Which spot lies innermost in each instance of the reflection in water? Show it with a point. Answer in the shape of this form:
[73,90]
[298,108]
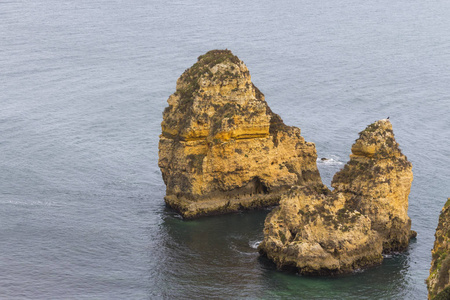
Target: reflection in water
[213,255]
[216,256]
[388,280]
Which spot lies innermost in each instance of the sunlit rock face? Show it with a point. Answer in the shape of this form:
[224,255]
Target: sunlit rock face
[376,182]
[438,282]
[222,149]
[319,231]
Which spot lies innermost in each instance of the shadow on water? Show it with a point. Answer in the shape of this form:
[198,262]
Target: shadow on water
[217,256]
[211,256]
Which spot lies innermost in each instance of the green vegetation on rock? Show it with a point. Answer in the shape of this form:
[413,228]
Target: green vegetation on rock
[438,282]
[444,295]
[203,67]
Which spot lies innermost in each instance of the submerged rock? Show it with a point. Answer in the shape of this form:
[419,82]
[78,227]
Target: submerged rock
[438,282]
[222,148]
[319,231]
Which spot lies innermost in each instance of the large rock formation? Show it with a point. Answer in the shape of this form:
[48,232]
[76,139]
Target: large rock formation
[438,282]
[376,182]
[319,231]
[222,148]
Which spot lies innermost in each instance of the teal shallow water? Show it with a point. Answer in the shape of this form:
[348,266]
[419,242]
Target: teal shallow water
[226,263]
[83,88]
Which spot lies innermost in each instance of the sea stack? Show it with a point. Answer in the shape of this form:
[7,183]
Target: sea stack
[323,232]
[438,282]
[376,182]
[222,148]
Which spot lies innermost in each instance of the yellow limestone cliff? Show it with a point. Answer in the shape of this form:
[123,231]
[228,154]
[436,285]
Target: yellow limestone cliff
[438,282]
[222,149]
[319,231]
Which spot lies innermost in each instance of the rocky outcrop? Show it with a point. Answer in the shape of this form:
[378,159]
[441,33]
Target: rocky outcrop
[315,233]
[222,149]
[438,282]
[376,182]
[320,232]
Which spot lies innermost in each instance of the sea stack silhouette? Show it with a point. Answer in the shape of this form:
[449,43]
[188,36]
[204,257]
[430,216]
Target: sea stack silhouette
[323,232]
[222,148]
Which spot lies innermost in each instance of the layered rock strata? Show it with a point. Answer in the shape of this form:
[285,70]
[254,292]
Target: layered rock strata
[376,182]
[222,148]
[438,282]
[319,231]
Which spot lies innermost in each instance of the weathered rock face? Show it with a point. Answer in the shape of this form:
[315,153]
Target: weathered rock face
[322,232]
[438,282]
[316,234]
[222,148]
[376,182]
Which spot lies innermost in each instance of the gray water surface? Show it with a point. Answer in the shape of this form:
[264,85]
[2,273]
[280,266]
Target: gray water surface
[82,88]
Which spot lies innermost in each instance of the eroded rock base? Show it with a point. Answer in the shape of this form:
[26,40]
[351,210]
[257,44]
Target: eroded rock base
[320,232]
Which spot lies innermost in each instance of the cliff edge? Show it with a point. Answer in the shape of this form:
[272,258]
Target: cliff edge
[222,148]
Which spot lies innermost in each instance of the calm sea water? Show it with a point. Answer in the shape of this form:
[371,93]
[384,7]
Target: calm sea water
[82,88]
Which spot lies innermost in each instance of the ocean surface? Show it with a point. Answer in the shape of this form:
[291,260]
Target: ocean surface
[82,88]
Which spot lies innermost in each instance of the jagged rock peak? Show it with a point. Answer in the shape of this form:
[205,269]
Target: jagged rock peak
[377,181]
[438,282]
[377,141]
[222,148]
[321,232]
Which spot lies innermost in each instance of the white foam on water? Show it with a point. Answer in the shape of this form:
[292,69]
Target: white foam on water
[254,244]
[331,161]
[358,271]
